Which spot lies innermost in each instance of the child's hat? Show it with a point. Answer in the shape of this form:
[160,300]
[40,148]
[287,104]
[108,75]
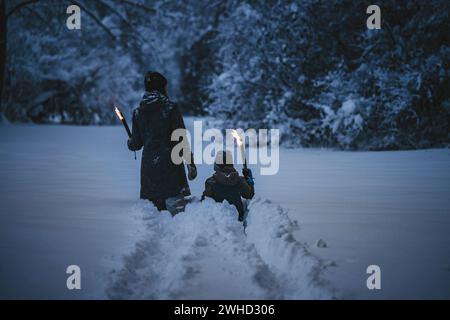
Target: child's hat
[224,158]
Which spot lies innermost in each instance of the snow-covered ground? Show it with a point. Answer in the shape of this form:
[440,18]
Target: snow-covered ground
[390,209]
[203,253]
[69,196]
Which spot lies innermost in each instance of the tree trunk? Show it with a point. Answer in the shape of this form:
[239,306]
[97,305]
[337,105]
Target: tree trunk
[3,35]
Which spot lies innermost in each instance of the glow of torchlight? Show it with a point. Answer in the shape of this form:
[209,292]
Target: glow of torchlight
[240,143]
[238,138]
[119,114]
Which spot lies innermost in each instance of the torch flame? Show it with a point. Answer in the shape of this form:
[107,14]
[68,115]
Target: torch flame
[238,138]
[240,143]
[119,114]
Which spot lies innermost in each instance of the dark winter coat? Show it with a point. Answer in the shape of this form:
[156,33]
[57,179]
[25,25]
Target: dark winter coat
[226,184]
[153,123]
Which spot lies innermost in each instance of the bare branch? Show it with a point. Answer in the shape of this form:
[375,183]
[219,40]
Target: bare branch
[39,16]
[137,35]
[95,18]
[20,5]
[139,6]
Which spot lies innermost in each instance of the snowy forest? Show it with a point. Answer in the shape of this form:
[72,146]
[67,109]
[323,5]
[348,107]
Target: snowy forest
[82,193]
[310,68]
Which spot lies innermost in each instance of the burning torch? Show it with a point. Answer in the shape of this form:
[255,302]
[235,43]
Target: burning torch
[241,145]
[124,121]
[125,124]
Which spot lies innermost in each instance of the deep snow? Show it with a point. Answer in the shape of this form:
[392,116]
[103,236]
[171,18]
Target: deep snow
[386,208]
[69,196]
[203,253]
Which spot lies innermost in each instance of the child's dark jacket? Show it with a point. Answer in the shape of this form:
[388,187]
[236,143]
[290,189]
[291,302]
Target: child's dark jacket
[226,184]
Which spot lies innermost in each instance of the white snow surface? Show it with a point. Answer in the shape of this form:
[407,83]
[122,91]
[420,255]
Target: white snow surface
[69,195]
[203,253]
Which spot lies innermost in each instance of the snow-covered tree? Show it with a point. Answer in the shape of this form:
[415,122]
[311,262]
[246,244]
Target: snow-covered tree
[315,71]
[310,68]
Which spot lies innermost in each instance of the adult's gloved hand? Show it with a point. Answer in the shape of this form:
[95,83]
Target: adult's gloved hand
[192,171]
[129,143]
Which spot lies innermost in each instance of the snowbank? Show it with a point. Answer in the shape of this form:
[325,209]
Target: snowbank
[67,192]
[203,253]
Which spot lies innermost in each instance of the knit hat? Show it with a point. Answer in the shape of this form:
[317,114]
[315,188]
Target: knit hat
[155,81]
[223,158]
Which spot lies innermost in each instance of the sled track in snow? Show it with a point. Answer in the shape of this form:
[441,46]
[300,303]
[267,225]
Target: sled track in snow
[204,254]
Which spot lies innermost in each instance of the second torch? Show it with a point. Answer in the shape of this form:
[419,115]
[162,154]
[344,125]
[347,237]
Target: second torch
[124,121]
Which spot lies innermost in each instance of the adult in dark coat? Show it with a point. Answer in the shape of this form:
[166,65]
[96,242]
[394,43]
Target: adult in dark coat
[153,123]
